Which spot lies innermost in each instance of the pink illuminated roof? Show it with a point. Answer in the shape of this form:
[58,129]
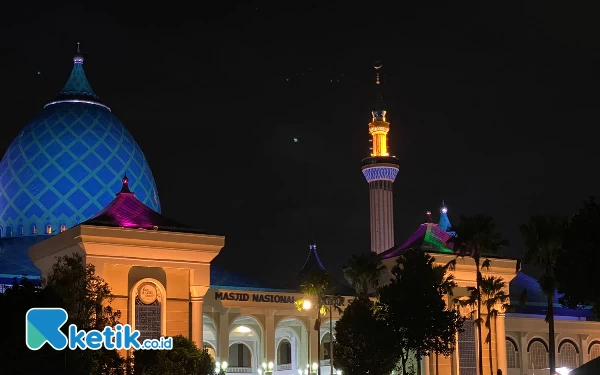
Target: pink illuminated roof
[429,237]
[126,211]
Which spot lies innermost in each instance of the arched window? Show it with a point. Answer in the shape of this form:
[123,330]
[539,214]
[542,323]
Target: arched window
[512,354]
[63,228]
[21,230]
[9,231]
[326,346]
[48,229]
[568,354]
[34,229]
[538,354]
[0,231]
[594,350]
[148,299]
[284,353]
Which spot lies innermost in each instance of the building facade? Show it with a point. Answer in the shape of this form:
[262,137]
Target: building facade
[75,181]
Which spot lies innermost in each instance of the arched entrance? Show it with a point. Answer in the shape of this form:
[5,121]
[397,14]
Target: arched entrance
[209,336]
[291,345]
[326,340]
[245,345]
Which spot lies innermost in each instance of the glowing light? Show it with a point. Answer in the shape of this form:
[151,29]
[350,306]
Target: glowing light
[315,366]
[299,371]
[242,329]
[77,101]
[376,173]
[271,365]
[259,371]
[444,210]
[224,365]
[306,305]
[563,370]
[264,365]
[339,372]
[295,140]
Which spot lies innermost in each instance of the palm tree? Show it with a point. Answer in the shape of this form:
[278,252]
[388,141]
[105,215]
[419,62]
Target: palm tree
[316,286]
[543,237]
[477,236]
[364,271]
[494,297]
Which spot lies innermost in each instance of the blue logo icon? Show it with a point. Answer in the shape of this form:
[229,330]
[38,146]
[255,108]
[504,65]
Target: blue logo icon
[42,325]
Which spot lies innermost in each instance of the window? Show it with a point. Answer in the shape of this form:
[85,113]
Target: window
[21,230]
[284,353]
[34,229]
[63,228]
[148,311]
[0,231]
[467,354]
[48,229]
[594,350]
[567,355]
[326,346]
[9,231]
[512,354]
[538,355]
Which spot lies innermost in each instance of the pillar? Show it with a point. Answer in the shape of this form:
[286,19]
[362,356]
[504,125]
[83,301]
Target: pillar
[270,336]
[197,321]
[501,342]
[583,349]
[426,364]
[524,355]
[314,347]
[223,340]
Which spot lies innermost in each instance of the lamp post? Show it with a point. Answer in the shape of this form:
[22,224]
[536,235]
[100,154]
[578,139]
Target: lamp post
[221,368]
[306,306]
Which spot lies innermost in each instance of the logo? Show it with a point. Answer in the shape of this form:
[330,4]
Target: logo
[43,325]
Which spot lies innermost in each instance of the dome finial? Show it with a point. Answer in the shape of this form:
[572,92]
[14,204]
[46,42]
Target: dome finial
[125,188]
[428,213]
[78,58]
[443,209]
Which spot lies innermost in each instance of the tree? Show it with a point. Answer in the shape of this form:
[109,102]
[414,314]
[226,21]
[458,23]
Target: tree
[183,359]
[475,237]
[363,341]
[73,286]
[581,252]
[364,271]
[543,237]
[494,297]
[414,308]
[315,286]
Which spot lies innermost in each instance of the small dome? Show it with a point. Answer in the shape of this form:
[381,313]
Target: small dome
[67,164]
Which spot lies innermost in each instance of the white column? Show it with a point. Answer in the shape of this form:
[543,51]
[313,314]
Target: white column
[223,340]
[524,356]
[197,321]
[501,343]
[313,342]
[270,336]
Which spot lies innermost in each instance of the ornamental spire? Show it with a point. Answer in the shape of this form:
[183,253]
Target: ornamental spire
[77,86]
[379,108]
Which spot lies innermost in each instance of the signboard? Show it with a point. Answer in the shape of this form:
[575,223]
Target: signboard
[272,298]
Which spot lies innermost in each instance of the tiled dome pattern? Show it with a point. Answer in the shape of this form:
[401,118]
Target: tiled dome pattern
[66,166]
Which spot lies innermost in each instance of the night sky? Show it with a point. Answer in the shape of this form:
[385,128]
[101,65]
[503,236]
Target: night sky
[493,109]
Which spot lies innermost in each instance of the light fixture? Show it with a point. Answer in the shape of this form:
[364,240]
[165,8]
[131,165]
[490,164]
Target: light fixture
[224,365]
[306,305]
[339,372]
[315,366]
[259,371]
[243,329]
[305,372]
[264,366]
[271,365]
[299,371]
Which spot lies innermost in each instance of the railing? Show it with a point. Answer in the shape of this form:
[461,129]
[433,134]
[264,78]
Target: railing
[284,367]
[239,370]
[325,362]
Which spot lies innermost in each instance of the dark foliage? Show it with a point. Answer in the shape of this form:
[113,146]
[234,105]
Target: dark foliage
[363,341]
[184,359]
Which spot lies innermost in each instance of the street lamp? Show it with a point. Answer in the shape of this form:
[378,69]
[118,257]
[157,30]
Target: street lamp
[221,367]
[307,305]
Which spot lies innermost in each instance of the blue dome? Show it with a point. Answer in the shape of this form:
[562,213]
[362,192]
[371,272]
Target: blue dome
[67,164]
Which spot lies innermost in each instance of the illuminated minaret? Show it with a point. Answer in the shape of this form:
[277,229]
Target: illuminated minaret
[380,170]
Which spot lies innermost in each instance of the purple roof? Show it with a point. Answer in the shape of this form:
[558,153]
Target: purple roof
[429,237]
[126,211]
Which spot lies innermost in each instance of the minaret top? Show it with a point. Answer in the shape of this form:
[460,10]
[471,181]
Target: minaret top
[428,213]
[379,108]
[78,58]
[444,223]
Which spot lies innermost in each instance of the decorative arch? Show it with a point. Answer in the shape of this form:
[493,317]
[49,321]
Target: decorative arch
[0,230]
[9,232]
[233,322]
[48,229]
[63,227]
[21,230]
[595,342]
[161,298]
[33,229]
[278,353]
[291,317]
[514,343]
[564,341]
[253,356]
[537,339]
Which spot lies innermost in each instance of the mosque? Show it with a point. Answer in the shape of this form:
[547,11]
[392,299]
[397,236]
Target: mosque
[75,180]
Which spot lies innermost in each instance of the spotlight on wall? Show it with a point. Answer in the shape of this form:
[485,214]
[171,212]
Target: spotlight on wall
[242,329]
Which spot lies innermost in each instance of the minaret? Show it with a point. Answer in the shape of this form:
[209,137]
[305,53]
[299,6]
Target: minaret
[444,223]
[380,170]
